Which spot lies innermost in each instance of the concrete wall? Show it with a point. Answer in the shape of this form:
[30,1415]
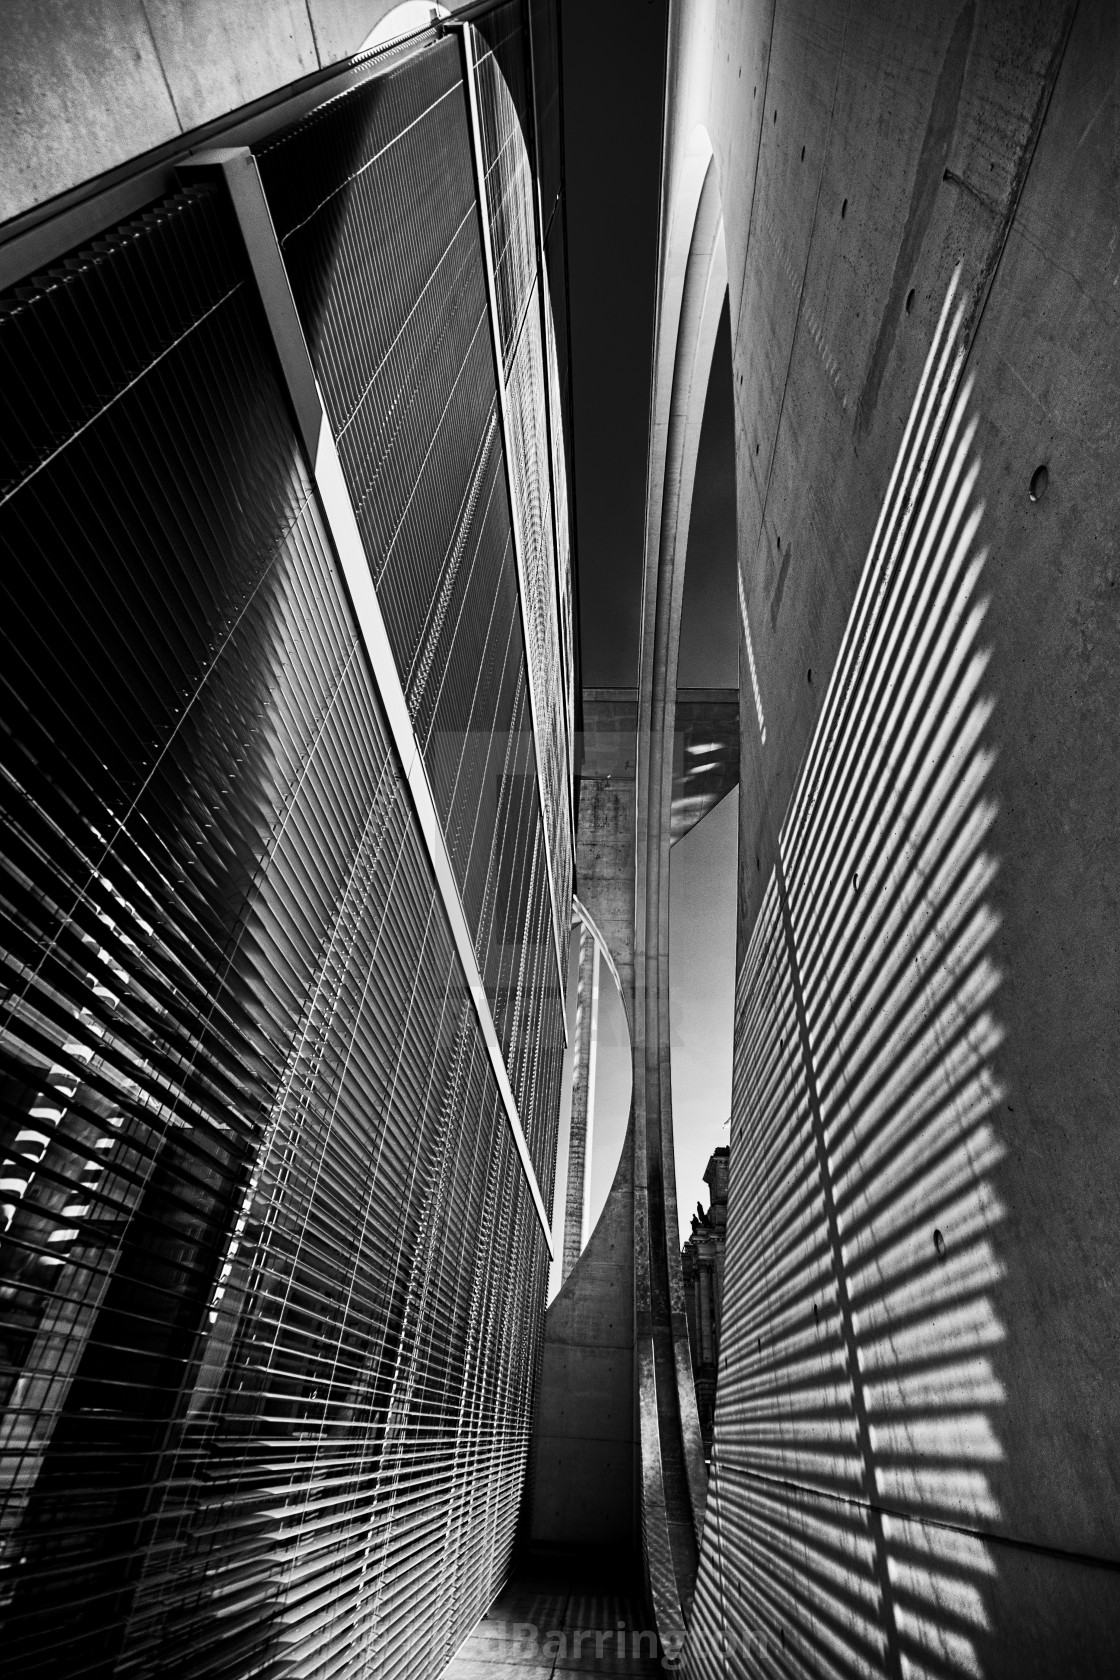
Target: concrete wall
[921,1468]
[582,1490]
[86,85]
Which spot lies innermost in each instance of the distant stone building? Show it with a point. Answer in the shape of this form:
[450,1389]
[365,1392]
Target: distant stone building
[702,1263]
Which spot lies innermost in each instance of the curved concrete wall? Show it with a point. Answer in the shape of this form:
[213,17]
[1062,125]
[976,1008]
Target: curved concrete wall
[869,160]
[583,1458]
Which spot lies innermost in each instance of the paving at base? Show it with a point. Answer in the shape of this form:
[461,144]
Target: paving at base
[563,1613]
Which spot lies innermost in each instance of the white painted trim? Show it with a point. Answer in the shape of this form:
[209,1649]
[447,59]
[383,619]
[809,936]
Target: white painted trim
[580,913]
[592,1060]
[238,168]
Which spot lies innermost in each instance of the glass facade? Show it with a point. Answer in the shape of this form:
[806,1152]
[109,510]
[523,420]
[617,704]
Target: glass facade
[272,1276]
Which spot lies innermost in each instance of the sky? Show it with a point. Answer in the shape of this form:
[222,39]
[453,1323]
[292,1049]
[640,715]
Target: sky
[613,66]
[614,57]
[702,874]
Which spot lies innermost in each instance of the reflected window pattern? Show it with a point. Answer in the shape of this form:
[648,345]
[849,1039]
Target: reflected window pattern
[858,1408]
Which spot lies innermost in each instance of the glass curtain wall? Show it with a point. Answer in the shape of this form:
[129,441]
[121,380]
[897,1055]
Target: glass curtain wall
[272,1278]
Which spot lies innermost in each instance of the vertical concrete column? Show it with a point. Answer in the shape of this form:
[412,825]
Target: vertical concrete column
[583,1099]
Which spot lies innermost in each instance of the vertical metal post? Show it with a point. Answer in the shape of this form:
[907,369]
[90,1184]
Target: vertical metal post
[470,78]
[592,1059]
[579,1153]
[237,168]
[553,422]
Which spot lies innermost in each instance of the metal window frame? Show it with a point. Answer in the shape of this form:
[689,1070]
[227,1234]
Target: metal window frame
[236,167]
[463,29]
[554,422]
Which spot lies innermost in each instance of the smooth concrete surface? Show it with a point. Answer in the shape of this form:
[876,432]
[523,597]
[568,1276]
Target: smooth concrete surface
[81,89]
[583,1456]
[86,85]
[215,57]
[866,155]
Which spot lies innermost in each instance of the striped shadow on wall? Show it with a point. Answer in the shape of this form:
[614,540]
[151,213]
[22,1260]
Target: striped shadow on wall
[858,1405]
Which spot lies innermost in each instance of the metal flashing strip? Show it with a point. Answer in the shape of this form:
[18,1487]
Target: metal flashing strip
[39,236]
[592,1061]
[580,913]
[553,422]
[469,77]
[238,169]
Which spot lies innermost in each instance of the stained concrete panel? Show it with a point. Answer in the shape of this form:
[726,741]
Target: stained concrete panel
[341,26]
[86,87]
[601,1376]
[943,137]
[81,90]
[1043,380]
[215,56]
[582,1478]
[826,349]
[1047,388]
